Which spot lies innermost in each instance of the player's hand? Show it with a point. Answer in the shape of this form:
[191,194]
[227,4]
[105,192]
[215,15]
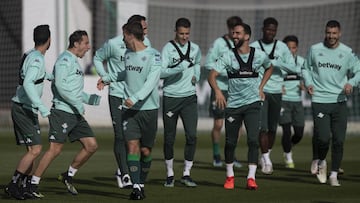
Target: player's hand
[348,89]
[310,90]
[262,95]
[220,100]
[128,103]
[100,84]
[193,80]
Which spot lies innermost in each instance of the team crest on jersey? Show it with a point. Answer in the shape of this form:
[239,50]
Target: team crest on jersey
[64,126]
[143,58]
[341,56]
[125,125]
[127,57]
[133,168]
[157,57]
[37,60]
[320,54]
[169,114]
[52,137]
[28,141]
[65,59]
[230,119]
[79,72]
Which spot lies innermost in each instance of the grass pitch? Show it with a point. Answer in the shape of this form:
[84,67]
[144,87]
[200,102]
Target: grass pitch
[95,181]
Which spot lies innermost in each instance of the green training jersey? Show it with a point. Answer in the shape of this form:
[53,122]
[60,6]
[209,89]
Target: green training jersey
[142,78]
[31,76]
[113,52]
[219,46]
[282,62]
[292,82]
[327,69]
[178,74]
[68,84]
[243,90]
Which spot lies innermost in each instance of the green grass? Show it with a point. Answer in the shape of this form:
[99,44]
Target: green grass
[96,183]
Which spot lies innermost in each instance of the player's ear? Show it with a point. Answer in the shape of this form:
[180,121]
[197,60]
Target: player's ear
[247,37]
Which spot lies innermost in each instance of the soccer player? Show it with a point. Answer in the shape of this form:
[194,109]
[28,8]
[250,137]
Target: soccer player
[219,46]
[24,111]
[282,61]
[292,110]
[141,104]
[326,74]
[242,65]
[66,119]
[112,52]
[180,71]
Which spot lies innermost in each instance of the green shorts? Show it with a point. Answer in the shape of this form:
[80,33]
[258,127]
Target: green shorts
[214,111]
[292,112]
[64,124]
[26,125]
[270,112]
[140,125]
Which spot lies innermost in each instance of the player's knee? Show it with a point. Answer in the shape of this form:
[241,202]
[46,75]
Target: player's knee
[91,147]
[218,125]
[35,151]
[145,151]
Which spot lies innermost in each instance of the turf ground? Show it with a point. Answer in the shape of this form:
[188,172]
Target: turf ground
[96,183]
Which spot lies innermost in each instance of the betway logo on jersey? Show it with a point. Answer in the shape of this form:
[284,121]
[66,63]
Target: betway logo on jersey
[134,68]
[329,65]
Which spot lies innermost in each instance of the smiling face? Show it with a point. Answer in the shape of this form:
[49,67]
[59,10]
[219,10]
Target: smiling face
[332,36]
[239,36]
[269,33]
[182,35]
[82,47]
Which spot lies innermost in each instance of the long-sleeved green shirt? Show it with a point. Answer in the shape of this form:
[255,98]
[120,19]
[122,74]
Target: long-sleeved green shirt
[142,78]
[68,84]
[292,82]
[178,80]
[113,52]
[326,69]
[242,91]
[29,93]
[215,51]
[283,62]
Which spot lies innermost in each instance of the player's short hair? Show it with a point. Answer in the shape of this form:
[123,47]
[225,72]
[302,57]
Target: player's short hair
[247,29]
[135,28]
[136,18]
[182,22]
[41,34]
[291,38]
[270,21]
[232,21]
[333,23]
[76,37]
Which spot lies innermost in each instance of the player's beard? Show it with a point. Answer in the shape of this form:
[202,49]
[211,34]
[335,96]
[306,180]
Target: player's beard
[239,44]
[330,43]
